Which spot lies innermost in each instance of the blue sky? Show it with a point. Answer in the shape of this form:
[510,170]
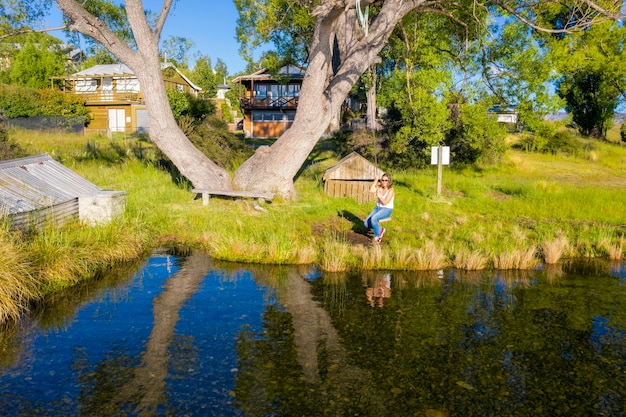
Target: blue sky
[210,24]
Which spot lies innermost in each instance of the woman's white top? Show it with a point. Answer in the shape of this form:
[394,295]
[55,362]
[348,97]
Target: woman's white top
[389,205]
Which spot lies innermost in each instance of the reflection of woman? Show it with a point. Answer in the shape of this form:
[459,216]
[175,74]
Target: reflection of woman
[380,291]
[384,205]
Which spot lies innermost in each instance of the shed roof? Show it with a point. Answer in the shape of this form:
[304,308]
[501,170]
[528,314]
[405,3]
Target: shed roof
[37,182]
[353,167]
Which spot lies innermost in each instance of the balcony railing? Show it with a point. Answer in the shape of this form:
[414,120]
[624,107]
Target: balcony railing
[247,102]
[110,96]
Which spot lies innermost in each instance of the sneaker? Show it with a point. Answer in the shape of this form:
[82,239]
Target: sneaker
[382,232]
[377,239]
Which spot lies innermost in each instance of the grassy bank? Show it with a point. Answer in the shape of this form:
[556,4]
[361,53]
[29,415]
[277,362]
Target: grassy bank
[532,208]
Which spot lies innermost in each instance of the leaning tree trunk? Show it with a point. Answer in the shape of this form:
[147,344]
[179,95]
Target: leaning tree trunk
[339,55]
[145,63]
[372,121]
[170,139]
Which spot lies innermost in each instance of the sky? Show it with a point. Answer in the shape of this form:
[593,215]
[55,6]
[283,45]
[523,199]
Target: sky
[209,24]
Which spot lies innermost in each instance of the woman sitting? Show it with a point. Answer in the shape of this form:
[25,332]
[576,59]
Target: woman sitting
[384,205]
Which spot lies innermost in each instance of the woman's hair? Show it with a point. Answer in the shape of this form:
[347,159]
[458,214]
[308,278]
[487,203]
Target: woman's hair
[390,183]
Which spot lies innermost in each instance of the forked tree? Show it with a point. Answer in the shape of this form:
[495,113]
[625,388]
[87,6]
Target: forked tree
[339,53]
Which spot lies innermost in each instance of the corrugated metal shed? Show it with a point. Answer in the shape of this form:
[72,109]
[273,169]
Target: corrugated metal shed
[38,188]
[352,177]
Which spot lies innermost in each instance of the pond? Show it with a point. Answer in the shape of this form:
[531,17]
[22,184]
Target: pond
[181,335]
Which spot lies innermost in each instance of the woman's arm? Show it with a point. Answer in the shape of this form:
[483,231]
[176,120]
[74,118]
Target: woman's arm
[374,186]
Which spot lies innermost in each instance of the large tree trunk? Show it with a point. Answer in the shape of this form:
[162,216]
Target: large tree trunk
[372,121]
[167,135]
[145,63]
[338,58]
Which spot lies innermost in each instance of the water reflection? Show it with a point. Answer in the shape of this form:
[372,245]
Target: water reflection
[379,288]
[186,336]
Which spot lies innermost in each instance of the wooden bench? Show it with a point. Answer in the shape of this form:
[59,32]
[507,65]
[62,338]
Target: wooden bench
[206,193]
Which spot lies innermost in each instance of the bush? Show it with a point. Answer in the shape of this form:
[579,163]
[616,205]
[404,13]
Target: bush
[184,104]
[226,113]
[563,142]
[622,132]
[16,102]
[214,139]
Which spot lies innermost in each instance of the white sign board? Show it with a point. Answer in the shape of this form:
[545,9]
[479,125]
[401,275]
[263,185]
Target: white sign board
[445,155]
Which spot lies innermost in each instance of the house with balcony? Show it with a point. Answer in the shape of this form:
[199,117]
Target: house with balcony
[269,103]
[114,96]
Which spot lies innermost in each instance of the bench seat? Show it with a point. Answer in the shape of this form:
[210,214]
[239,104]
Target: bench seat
[206,193]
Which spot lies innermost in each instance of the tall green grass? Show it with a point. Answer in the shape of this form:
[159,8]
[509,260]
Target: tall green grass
[511,217]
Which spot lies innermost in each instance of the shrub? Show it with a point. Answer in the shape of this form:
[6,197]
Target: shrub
[214,139]
[622,132]
[184,104]
[18,102]
[226,113]
[562,142]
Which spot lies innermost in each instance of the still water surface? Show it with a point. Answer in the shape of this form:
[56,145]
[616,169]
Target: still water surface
[182,336]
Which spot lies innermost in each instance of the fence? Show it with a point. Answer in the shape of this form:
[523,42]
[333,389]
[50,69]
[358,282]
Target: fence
[74,124]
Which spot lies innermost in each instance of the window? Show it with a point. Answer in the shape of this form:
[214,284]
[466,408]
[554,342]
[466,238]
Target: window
[260,91]
[293,90]
[273,116]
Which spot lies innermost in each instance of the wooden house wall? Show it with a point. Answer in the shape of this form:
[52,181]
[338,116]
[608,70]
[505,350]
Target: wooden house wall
[269,129]
[172,80]
[100,117]
[356,189]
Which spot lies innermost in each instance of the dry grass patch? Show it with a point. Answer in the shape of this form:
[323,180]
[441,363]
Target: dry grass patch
[515,259]
[429,257]
[470,260]
[554,249]
[335,254]
[616,251]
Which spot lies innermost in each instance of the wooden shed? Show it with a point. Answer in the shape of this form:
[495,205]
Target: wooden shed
[352,177]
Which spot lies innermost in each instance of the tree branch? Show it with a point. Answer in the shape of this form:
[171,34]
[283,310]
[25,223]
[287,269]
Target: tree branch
[601,16]
[84,22]
[23,31]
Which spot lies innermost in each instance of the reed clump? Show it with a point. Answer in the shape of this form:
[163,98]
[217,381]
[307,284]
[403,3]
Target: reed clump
[616,250]
[335,253]
[516,259]
[18,286]
[470,260]
[554,249]
[430,257]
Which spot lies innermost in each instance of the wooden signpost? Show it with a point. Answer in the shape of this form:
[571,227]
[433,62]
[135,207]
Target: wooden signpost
[440,156]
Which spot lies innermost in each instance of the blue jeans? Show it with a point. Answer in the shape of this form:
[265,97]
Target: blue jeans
[375,216]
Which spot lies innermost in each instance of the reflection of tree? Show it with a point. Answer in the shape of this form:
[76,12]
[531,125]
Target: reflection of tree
[300,366]
[495,344]
[122,386]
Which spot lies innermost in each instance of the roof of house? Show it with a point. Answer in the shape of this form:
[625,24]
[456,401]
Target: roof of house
[37,182]
[353,167]
[106,69]
[293,71]
[123,70]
